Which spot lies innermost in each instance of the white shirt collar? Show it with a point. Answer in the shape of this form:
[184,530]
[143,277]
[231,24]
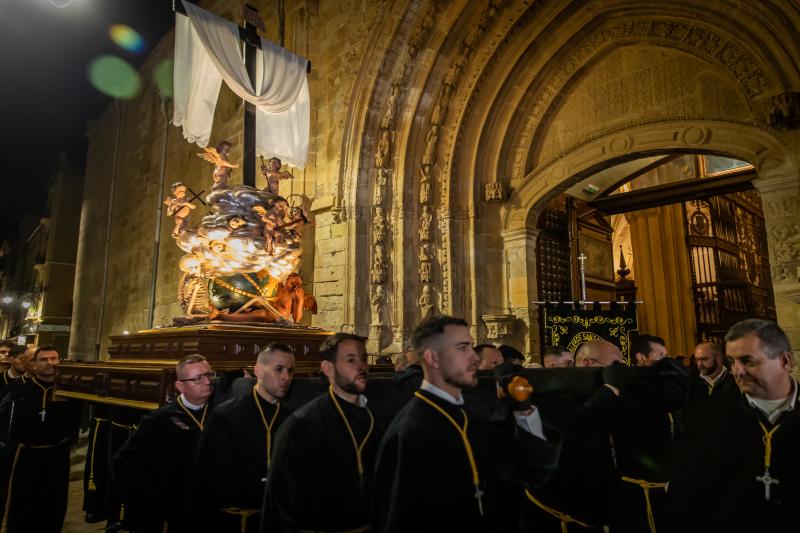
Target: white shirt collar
[713,382]
[190,405]
[773,409]
[436,391]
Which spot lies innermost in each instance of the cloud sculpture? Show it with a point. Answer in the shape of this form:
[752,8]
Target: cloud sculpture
[245,225]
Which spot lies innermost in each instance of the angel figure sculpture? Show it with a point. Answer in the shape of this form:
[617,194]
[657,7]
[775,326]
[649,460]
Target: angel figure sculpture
[274,219]
[222,167]
[273,173]
[178,206]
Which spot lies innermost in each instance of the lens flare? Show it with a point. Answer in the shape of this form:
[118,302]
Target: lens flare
[126,38]
[114,76]
[162,76]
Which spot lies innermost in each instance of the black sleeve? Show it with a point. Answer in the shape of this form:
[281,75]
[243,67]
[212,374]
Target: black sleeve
[291,472]
[129,467]
[208,469]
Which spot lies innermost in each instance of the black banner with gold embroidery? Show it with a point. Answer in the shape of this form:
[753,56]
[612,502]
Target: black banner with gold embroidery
[570,326]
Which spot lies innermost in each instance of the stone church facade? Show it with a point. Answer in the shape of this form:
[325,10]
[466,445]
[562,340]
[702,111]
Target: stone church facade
[439,130]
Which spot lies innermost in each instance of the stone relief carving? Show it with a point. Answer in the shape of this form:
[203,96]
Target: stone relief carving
[499,325]
[425,219]
[387,122]
[425,185]
[425,258]
[676,34]
[380,186]
[783,111]
[378,271]
[494,192]
[426,301]
[379,226]
[384,146]
[431,140]
[378,302]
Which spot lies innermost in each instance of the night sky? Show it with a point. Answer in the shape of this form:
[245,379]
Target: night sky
[47,97]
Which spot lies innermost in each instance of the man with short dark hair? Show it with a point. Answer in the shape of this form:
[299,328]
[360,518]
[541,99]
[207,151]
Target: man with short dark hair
[557,357]
[648,349]
[439,464]
[160,453]
[489,355]
[321,477]
[744,472]
[41,429]
[5,350]
[14,376]
[234,453]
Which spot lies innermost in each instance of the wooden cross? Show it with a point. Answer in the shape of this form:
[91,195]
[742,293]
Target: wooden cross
[252,41]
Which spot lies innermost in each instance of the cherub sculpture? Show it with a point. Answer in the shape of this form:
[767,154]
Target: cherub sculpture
[273,173]
[274,219]
[222,167]
[178,206]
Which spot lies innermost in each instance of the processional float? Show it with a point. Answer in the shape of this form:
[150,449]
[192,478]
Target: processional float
[239,286]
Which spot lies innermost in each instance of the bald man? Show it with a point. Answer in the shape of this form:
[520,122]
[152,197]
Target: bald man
[598,352]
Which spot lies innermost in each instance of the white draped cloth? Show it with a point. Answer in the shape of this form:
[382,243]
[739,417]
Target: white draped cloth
[208,51]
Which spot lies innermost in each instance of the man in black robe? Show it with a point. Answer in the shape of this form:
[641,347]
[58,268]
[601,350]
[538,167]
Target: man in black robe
[5,350]
[233,456]
[153,468]
[713,380]
[439,462]
[321,476]
[743,474]
[578,497]
[646,438]
[13,376]
[41,430]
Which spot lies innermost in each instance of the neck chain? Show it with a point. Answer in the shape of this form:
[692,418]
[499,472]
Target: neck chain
[188,412]
[467,446]
[269,425]
[358,447]
[45,390]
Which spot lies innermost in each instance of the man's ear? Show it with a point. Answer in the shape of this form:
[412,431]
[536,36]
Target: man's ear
[180,386]
[327,368]
[786,361]
[640,358]
[431,358]
[258,369]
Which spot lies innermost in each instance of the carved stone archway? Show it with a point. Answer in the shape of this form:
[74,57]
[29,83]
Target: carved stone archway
[773,155]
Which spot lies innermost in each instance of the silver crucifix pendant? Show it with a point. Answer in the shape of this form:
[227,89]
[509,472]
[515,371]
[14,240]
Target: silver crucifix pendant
[767,480]
[42,413]
[479,496]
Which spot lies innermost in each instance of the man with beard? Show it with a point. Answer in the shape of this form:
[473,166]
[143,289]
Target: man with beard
[41,429]
[233,456]
[439,464]
[154,466]
[714,379]
[743,472]
[323,459]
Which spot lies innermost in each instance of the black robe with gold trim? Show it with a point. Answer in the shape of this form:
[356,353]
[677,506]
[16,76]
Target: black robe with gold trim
[716,488]
[149,467]
[231,464]
[314,482]
[41,430]
[423,479]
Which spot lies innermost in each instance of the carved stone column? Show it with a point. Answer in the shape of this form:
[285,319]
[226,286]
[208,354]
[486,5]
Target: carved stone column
[519,274]
[780,196]
[663,278]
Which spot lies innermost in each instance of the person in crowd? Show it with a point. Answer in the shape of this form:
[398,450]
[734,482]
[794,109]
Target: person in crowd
[150,467]
[323,459]
[234,452]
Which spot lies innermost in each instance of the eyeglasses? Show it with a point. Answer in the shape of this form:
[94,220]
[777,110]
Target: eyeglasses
[198,380]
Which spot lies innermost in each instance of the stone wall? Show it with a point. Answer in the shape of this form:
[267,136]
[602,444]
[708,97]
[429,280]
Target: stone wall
[507,102]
